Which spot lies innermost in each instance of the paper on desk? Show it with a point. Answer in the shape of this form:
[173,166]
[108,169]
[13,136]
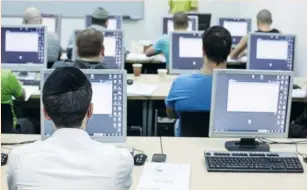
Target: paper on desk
[162,176]
[299,93]
[141,89]
[30,90]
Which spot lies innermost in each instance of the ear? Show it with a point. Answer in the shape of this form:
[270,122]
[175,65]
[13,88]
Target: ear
[102,51]
[46,115]
[107,22]
[204,53]
[90,111]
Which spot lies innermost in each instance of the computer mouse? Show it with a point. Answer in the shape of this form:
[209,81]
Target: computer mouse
[129,81]
[139,159]
[295,86]
[305,159]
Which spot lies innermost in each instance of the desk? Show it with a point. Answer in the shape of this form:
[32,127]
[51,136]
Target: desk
[191,151]
[150,145]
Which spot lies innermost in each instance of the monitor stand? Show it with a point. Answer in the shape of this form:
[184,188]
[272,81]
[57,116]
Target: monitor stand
[247,144]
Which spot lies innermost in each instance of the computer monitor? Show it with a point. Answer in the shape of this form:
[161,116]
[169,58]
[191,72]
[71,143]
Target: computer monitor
[115,22]
[51,21]
[271,52]
[238,27]
[250,104]
[113,48]
[204,20]
[186,54]
[108,123]
[28,77]
[24,46]
[168,24]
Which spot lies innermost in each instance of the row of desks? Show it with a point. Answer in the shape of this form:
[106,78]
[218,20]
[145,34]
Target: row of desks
[164,85]
[191,151]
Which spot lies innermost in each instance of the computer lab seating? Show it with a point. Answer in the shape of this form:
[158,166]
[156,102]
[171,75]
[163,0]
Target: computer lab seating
[195,124]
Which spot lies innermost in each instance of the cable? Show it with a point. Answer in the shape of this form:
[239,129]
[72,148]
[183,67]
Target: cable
[161,146]
[17,143]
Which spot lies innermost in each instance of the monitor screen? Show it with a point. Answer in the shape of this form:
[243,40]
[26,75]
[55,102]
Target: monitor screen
[247,103]
[183,58]
[108,122]
[113,49]
[168,24]
[23,46]
[204,20]
[261,56]
[51,21]
[238,27]
[114,22]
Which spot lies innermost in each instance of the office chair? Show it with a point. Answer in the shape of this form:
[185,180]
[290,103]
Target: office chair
[195,124]
[7,124]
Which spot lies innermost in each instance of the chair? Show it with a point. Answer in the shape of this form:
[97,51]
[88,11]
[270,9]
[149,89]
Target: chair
[195,124]
[7,124]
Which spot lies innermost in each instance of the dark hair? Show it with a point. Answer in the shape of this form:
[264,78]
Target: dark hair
[89,43]
[180,20]
[101,22]
[66,96]
[217,44]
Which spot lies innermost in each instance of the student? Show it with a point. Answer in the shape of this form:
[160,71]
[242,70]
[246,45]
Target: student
[192,92]
[10,87]
[69,159]
[264,22]
[183,5]
[33,16]
[180,20]
[99,22]
[89,49]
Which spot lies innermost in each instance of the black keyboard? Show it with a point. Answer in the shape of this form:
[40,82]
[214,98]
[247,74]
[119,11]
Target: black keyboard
[265,162]
[3,159]
[30,82]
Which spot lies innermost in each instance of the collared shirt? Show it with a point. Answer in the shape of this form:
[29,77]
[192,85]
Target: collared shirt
[69,160]
[190,92]
[72,37]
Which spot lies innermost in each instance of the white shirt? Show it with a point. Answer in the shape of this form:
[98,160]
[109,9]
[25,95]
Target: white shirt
[69,160]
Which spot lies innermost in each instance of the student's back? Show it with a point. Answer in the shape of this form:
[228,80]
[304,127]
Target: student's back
[80,64]
[180,20]
[191,92]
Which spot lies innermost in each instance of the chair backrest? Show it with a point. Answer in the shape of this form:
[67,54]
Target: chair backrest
[195,124]
[7,125]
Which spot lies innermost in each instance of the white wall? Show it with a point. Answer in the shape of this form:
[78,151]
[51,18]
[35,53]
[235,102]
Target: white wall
[289,16]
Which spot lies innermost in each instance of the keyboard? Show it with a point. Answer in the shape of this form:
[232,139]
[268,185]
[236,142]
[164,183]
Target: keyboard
[265,162]
[3,159]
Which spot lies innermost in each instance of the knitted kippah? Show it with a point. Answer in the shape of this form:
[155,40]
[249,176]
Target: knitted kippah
[63,80]
[100,13]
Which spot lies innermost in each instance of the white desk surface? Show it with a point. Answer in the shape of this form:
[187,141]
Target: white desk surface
[165,83]
[191,151]
[150,145]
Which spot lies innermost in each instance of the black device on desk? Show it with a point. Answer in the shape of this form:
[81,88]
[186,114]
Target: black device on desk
[250,104]
[140,159]
[159,157]
[4,158]
[295,86]
[253,162]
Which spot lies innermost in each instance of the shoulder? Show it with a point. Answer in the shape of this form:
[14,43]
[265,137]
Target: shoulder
[5,73]
[63,63]
[187,78]
[25,150]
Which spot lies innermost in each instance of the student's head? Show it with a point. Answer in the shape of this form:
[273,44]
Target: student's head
[264,18]
[90,45]
[67,96]
[32,16]
[180,20]
[216,47]
[100,17]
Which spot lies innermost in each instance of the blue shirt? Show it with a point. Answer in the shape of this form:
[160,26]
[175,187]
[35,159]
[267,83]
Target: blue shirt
[190,92]
[162,46]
